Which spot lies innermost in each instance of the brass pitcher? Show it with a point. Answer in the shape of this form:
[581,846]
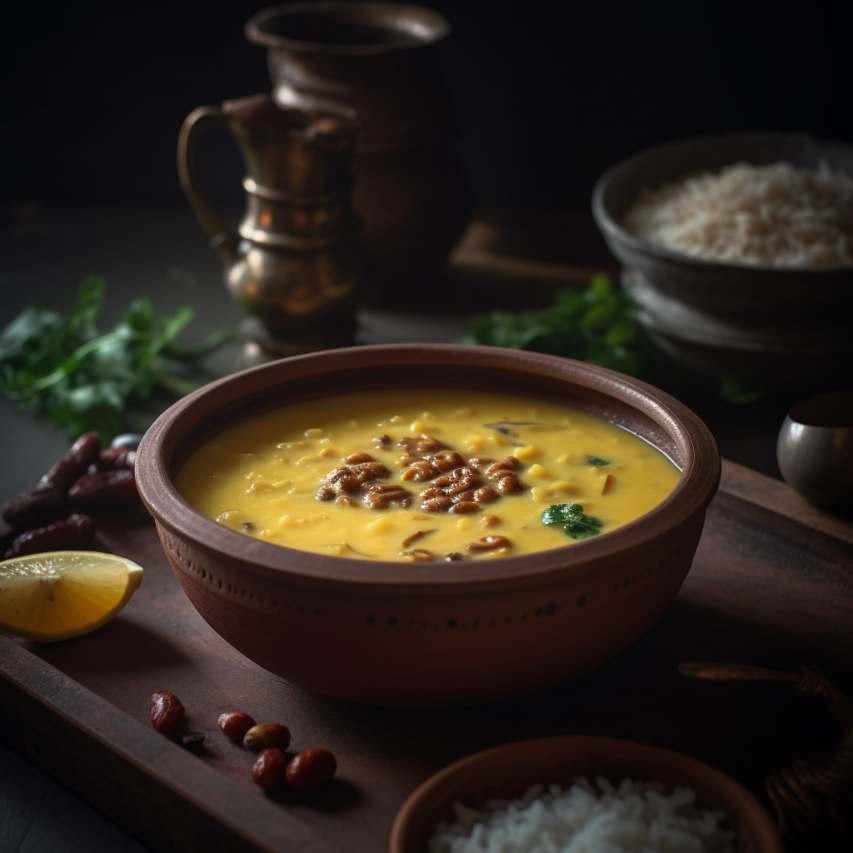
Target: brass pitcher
[296,261]
[381,59]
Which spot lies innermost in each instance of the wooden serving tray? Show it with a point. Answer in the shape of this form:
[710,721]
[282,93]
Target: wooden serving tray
[771,585]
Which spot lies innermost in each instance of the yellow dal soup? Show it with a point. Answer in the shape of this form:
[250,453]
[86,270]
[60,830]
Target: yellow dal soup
[425,475]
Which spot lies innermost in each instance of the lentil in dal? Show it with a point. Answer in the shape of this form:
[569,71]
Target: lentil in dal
[419,475]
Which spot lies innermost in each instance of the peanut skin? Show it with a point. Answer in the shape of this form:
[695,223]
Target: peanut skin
[167,712]
[235,724]
[75,533]
[266,736]
[311,768]
[104,489]
[269,770]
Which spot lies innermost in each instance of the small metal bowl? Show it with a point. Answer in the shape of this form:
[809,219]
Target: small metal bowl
[815,449]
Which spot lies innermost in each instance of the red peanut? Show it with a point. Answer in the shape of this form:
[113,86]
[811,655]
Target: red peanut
[166,712]
[311,768]
[235,724]
[77,532]
[269,769]
[269,735]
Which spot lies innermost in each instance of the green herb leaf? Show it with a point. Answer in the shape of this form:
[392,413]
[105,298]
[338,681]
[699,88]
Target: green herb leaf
[65,368]
[739,392]
[575,523]
[597,460]
[597,325]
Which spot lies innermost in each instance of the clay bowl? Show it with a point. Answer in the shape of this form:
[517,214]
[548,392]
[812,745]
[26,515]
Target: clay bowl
[506,772]
[769,325]
[428,634]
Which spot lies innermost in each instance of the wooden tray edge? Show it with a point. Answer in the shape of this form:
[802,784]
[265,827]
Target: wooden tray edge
[780,498]
[96,749]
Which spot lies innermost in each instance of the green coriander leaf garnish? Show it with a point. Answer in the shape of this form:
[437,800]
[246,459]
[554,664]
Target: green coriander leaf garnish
[575,523]
[598,461]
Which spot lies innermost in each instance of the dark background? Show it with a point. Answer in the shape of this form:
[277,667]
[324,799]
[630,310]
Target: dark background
[549,94]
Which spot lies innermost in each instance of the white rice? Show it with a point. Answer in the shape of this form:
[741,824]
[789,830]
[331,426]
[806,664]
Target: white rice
[636,817]
[770,216]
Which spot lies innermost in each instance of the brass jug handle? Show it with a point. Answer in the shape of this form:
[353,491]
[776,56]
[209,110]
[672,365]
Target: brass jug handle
[196,124]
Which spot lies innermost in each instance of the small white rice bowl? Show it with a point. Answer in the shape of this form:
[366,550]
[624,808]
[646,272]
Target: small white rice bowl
[638,817]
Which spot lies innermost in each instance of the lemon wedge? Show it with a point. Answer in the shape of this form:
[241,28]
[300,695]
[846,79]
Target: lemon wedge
[63,594]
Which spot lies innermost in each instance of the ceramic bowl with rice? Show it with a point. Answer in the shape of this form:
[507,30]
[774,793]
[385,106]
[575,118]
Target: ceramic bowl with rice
[739,249]
[582,794]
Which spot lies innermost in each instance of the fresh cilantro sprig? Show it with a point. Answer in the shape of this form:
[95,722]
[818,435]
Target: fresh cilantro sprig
[575,523]
[62,366]
[598,325]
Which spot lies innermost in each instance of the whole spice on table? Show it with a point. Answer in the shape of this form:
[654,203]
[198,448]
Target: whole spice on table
[193,742]
[269,769]
[166,712]
[311,768]
[235,724]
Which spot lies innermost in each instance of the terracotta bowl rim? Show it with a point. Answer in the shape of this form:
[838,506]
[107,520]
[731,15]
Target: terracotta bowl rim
[739,800]
[609,225]
[693,492]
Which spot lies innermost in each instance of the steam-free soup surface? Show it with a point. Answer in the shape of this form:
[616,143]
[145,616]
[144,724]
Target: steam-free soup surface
[422,475]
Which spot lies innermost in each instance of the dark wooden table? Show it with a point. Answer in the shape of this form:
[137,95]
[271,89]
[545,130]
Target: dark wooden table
[507,261]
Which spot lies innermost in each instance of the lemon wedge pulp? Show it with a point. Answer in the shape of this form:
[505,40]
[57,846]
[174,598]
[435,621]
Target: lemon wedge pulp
[63,594]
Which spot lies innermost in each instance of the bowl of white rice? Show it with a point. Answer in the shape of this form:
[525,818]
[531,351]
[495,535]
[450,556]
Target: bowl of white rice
[739,249]
[579,794]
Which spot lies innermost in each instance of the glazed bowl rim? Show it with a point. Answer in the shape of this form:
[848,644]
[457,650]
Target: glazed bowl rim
[695,488]
[606,749]
[611,228]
